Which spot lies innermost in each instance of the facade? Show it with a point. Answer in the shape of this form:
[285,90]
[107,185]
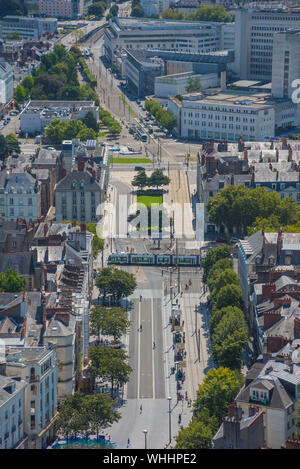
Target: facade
[273,387]
[16,236]
[12,413]
[141,72]
[28,28]
[6,82]
[186,6]
[225,116]
[172,85]
[77,197]
[285,63]
[240,430]
[56,8]
[254,36]
[160,34]
[155,7]
[38,114]
[37,366]
[19,196]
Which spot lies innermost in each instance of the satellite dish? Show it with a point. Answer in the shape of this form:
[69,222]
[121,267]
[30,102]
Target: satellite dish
[296,356]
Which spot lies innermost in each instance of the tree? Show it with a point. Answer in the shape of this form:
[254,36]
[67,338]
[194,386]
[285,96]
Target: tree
[226,277]
[90,121]
[86,134]
[100,412]
[28,83]
[230,295]
[96,9]
[218,314]
[55,131]
[12,7]
[219,388]
[229,339]
[115,128]
[118,283]
[112,321]
[69,93]
[158,178]
[13,36]
[48,85]
[137,12]
[11,282]
[215,13]
[21,94]
[12,144]
[212,256]
[109,363]
[140,179]
[195,436]
[98,245]
[167,120]
[193,85]
[216,270]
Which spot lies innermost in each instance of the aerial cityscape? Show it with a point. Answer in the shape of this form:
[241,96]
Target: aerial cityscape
[149,225]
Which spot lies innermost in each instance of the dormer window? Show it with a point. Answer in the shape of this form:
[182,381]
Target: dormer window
[82,185]
[271,260]
[258,260]
[258,395]
[73,185]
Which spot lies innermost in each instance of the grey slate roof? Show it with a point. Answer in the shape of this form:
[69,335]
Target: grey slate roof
[22,262]
[90,184]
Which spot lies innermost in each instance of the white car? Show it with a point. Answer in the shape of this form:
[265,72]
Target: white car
[51,148]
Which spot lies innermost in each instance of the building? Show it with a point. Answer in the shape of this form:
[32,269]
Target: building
[254,35]
[143,67]
[159,34]
[186,6]
[77,197]
[38,367]
[240,430]
[12,413]
[285,63]
[273,385]
[224,116]
[16,235]
[155,7]
[28,28]
[20,196]
[24,264]
[38,114]
[56,8]
[172,85]
[141,72]
[6,82]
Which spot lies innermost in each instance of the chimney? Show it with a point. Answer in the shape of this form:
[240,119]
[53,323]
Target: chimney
[279,241]
[245,154]
[253,410]
[231,409]
[264,239]
[83,227]
[45,229]
[277,174]
[277,155]
[46,258]
[290,155]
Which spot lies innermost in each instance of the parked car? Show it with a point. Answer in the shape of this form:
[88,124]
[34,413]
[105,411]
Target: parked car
[221,240]
[234,240]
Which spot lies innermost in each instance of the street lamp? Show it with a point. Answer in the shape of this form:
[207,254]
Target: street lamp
[170,437]
[145,433]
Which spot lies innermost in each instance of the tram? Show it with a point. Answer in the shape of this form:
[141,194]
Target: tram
[154,259]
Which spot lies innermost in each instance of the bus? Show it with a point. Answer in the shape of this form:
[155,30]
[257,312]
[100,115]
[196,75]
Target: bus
[155,260]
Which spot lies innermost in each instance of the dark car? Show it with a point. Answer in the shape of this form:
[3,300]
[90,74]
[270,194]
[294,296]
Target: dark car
[221,240]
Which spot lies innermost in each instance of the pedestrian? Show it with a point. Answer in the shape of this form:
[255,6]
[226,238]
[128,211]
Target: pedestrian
[128,442]
[141,408]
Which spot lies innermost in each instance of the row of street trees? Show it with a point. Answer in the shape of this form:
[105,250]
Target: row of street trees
[228,330]
[109,322]
[239,209]
[215,13]
[114,126]
[116,283]
[156,179]
[165,118]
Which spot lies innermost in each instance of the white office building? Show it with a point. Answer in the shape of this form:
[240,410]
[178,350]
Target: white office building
[224,116]
[172,85]
[28,28]
[286,63]
[154,7]
[6,82]
[12,405]
[254,34]
[160,34]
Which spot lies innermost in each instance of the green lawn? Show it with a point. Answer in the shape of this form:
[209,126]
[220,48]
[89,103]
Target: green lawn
[130,160]
[148,200]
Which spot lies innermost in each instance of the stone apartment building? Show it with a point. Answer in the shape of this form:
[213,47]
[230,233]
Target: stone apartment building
[12,413]
[38,367]
[16,236]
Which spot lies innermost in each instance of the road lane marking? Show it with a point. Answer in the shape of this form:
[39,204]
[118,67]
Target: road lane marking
[138,352]
[153,351]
